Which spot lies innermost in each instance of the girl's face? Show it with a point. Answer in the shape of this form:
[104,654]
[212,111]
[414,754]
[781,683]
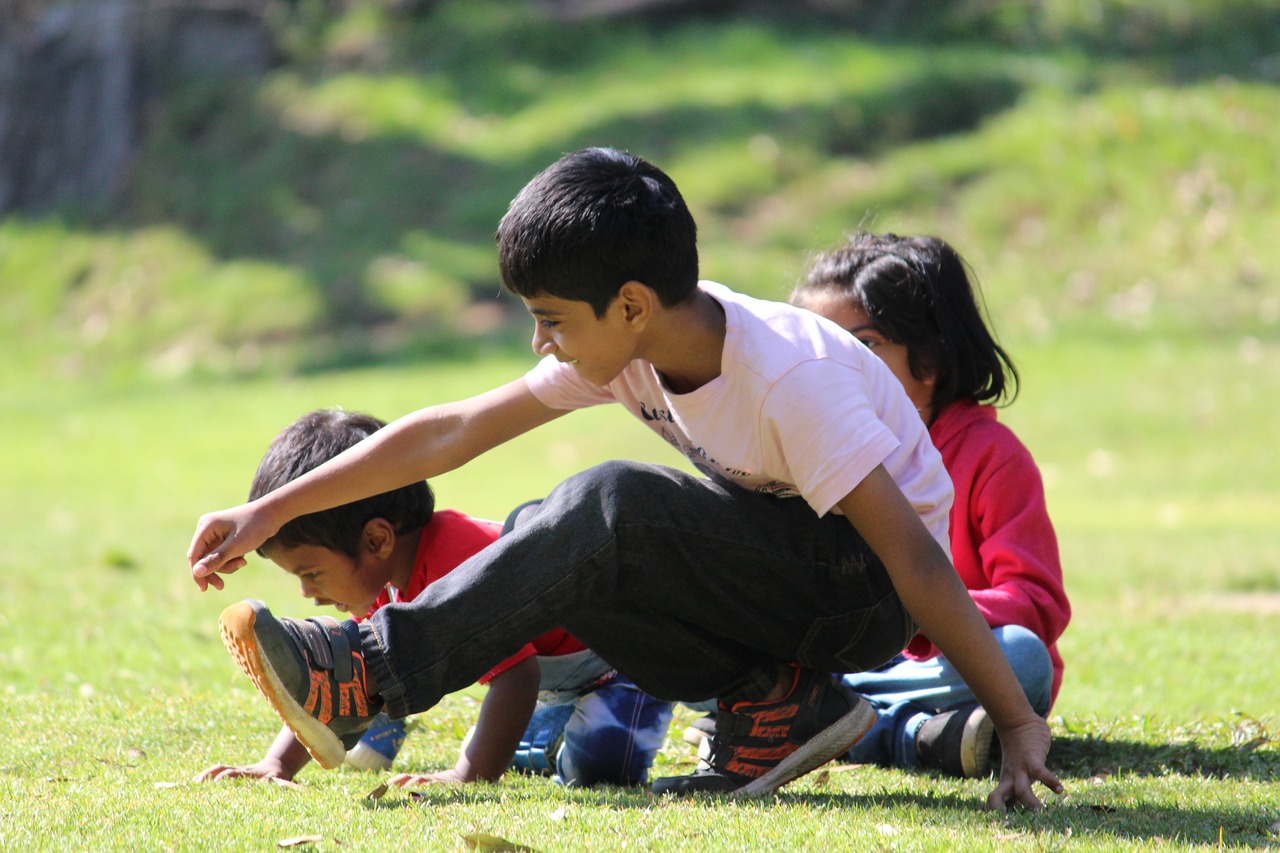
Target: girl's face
[855,321]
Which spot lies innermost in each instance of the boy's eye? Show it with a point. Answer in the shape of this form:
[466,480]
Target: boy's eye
[869,343]
[547,324]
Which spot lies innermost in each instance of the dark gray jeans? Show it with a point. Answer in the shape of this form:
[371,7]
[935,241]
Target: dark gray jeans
[689,587]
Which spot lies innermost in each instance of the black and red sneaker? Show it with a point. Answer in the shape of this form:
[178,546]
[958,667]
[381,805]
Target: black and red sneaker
[310,670]
[760,746]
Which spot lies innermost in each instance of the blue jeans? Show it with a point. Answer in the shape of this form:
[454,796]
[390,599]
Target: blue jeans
[905,693]
[611,734]
[688,587]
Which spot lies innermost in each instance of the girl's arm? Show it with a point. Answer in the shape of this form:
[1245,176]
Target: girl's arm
[935,597]
[418,446]
[504,716]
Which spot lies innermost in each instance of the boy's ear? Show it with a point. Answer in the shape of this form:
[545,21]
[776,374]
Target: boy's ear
[637,301]
[378,539]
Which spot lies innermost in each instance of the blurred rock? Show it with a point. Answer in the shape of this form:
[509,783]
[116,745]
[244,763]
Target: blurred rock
[75,76]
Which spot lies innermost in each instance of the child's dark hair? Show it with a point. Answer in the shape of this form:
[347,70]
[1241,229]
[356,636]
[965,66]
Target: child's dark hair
[312,440]
[594,220]
[917,293]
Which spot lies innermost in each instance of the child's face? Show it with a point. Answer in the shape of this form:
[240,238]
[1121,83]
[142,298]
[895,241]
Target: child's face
[597,347]
[331,578]
[855,321]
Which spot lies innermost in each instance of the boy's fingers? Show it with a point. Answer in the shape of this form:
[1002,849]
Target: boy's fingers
[205,575]
[1051,781]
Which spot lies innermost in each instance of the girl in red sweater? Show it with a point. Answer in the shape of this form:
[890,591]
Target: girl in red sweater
[909,299]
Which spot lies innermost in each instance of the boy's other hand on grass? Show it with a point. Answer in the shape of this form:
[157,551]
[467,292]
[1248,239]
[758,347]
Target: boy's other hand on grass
[220,542]
[1024,749]
[268,771]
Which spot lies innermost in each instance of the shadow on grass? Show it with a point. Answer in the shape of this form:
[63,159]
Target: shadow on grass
[1088,756]
[1086,816]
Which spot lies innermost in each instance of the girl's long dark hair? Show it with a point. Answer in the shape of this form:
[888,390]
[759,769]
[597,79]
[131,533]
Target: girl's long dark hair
[917,292]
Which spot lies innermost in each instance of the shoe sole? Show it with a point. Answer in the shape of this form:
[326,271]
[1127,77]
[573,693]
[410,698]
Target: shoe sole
[832,742]
[239,627]
[975,745]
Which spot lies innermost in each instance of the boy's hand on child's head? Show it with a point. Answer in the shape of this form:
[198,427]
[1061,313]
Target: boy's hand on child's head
[1024,750]
[220,542]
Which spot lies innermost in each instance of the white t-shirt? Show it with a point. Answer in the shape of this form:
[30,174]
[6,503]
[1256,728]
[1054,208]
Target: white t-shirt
[800,408]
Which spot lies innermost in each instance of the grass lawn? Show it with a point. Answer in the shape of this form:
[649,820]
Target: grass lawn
[118,691]
[1106,167]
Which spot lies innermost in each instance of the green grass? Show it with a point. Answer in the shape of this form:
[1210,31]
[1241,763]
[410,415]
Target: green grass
[119,691]
[1105,167]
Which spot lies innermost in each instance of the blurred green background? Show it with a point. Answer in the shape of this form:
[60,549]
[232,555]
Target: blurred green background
[318,232]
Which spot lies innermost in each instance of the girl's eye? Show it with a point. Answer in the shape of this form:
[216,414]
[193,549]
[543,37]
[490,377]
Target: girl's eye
[869,343]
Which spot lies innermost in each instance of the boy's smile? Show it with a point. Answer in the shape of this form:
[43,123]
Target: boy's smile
[597,347]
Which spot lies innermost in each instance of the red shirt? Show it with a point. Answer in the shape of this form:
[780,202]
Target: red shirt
[449,539]
[1002,542]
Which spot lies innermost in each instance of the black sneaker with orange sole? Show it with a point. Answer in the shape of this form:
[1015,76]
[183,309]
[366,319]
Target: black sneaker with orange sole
[760,746]
[310,670]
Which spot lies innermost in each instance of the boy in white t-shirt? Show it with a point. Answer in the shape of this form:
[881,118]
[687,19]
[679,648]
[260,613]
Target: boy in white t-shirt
[815,544]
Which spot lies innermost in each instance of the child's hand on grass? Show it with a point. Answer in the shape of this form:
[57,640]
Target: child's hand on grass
[269,771]
[1024,751]
[444,777]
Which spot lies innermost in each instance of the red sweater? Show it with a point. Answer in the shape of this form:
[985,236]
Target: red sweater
[448,540]
[1002,542]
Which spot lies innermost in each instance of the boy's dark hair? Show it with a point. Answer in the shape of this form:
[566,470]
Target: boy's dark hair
[592,221]
[312,440]
[917,293]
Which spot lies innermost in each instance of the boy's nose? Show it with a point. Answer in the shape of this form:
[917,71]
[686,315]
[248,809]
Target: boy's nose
[542,343]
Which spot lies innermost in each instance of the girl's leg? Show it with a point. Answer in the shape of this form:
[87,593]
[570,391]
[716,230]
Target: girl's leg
[613,735]
[906,693]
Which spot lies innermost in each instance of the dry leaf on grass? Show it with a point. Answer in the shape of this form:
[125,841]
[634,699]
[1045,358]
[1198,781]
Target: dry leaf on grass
[487,842]
[377,793]
[299,840]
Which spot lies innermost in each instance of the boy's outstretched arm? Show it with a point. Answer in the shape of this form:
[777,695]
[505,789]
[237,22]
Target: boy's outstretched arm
[283,760]
[937,599]
[504,716]
[418,446]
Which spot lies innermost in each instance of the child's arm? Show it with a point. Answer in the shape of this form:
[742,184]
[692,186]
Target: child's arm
[935,597]
[418,446]
[281,763]
[504,716]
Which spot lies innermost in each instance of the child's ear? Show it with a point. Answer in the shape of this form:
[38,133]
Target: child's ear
[637,302]
[378,539]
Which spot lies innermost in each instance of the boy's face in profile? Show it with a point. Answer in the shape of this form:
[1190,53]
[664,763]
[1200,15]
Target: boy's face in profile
[598,347]
[328,577]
